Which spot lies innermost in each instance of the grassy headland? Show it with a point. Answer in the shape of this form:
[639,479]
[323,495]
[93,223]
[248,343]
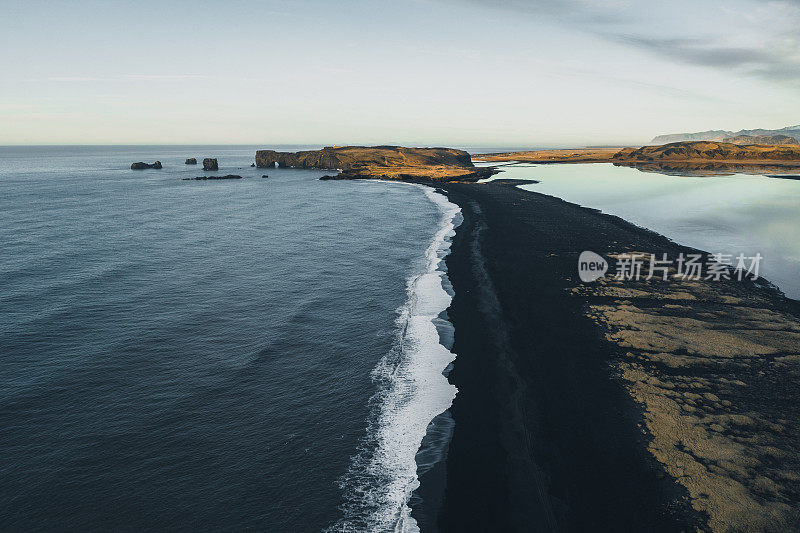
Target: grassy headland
[381,162]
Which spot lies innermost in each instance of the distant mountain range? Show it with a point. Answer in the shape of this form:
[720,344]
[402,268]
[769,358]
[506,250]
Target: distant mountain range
[722,135]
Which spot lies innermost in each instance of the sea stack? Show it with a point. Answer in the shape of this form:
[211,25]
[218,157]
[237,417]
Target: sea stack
[141,166]
[210,164]
[191,161]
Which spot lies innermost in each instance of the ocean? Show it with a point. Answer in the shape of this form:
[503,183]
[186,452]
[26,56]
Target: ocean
[258,354]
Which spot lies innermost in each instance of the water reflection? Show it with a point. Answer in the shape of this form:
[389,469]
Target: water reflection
[681,168]
[731,214]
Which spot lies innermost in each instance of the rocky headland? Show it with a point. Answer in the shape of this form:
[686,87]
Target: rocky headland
[381,162]
[710,151]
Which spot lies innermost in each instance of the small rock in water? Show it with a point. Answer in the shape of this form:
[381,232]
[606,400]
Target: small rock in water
[191,161]
[141,166]
[264,176]
[210,164]
[226,177]
[252,164]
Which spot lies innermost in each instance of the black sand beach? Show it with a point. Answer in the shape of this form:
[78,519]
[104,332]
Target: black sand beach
[550,432]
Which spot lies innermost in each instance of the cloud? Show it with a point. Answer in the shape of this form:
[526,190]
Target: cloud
[165,76]
[124,77]
[74,78]
[772,63]
[697,51]
[769,51]
[589,11]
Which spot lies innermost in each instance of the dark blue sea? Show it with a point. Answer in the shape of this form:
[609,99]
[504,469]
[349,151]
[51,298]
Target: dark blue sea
[260,354]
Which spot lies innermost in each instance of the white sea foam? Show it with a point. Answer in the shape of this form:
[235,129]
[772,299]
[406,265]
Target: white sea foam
[412,392]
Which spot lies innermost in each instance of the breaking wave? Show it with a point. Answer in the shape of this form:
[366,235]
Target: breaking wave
[412,391]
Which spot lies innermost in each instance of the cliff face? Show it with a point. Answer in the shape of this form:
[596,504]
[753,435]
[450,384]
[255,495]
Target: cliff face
[385,162]
[710,151]
[349,157]
[327,158]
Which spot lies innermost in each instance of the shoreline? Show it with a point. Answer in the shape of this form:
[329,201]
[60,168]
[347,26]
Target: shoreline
[412,393]
[553,428]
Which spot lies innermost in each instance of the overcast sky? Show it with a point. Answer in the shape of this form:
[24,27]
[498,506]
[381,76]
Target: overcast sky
[453,72]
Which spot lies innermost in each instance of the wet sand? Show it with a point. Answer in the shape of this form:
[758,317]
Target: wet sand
[608,406]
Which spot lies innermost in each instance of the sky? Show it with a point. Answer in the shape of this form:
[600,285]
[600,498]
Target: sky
[514,73]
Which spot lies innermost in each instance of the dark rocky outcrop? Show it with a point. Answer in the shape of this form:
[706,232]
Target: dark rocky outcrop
[191,161]
[210,164]
[784,176]
[226,177]
[264,176]
[380,162]
[141,166]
